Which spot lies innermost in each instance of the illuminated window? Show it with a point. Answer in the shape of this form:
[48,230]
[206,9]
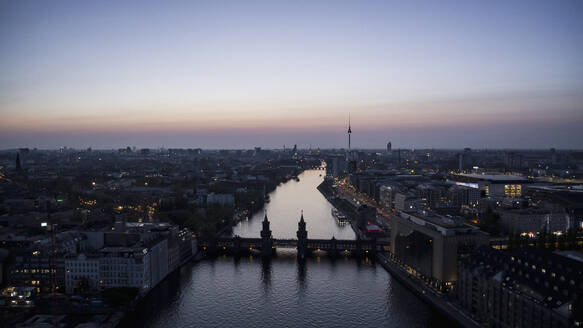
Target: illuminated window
[512,190]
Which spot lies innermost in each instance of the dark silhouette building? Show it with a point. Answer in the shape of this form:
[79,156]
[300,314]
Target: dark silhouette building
[18,164]
[302,235]
[528,287]
[266,239]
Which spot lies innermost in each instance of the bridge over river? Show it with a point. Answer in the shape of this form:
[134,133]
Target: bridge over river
[267,245]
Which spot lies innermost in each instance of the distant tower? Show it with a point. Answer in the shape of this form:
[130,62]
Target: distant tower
[18,165]
[399,158]
[389,147]
[349,131]
[553,156]
[460,158]
[302,238]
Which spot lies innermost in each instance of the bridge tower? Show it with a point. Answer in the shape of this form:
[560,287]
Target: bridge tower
[333,251]
[236,246]
[266,239]
[302,238]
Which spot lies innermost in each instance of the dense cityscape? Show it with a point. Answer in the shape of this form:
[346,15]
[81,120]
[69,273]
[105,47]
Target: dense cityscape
[294,164]
[486,237]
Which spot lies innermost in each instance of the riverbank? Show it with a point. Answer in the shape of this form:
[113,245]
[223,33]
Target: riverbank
[428,295]
[129,313]
[438,301]
[257,205]
[230,292]
[342,205]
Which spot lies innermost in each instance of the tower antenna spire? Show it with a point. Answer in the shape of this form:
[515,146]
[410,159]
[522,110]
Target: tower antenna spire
[349,131]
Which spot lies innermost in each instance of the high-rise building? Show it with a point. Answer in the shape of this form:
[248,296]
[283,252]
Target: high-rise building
[399,158]
[389,148]
[460,158]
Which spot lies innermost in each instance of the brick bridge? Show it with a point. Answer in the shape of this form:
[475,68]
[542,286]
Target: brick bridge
[267,245]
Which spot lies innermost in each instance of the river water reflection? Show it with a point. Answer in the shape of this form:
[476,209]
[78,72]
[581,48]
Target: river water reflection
[246,292]
[284,209]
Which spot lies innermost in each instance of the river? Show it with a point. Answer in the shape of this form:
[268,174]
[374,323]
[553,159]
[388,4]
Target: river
[345,292]
[286,205]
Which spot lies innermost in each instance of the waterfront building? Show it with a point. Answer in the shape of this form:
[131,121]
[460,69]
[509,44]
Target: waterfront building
[141,266]
[82,272]
[528,287]
[173,249]
[138,255]
[185,242]
[431,245]
[179,246]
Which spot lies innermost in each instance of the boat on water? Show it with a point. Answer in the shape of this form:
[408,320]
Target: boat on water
[339,216]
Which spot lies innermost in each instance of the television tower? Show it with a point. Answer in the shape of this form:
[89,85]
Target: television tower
[349,131]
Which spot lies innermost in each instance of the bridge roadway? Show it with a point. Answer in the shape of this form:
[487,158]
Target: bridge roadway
[238,245]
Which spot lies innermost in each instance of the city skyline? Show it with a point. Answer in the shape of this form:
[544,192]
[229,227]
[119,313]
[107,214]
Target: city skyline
[264,164]
[208,75]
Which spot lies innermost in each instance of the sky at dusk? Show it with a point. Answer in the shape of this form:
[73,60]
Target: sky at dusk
[239,74]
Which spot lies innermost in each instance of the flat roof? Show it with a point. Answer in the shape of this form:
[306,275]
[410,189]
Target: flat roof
[494,177]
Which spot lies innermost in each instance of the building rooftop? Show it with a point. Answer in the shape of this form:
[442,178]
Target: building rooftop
[446,225]
[494,177]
